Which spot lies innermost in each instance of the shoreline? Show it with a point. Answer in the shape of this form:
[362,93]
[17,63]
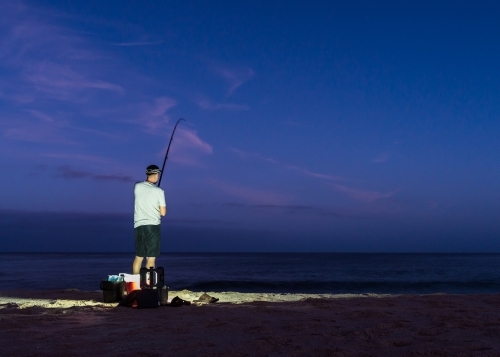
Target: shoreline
[69,298]
[78,323]
[73,297]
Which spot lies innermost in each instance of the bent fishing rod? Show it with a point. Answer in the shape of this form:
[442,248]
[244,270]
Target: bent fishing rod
[168,149]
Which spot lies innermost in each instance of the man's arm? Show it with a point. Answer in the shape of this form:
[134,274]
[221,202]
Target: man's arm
[163,210]
[162,203]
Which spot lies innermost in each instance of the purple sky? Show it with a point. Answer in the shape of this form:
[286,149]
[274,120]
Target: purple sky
[310,126]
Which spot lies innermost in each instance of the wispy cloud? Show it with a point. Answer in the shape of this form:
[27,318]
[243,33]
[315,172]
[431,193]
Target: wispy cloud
[303,171]
[235,76]
[190,138]
[42,130]
[383,157]
[138,43]
[187,147]
[292,209]
[59,81]
[206,104]
[202,222]
[47,128]
[95,132]
[363,195]
[313,174]
[161,105]
[253,195]
[34,134]
[42,116]
[44,60]
[153,116]
[67,172]
[78,157]
[357,194]
[63,90]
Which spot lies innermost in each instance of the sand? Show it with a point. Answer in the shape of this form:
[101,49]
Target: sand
[77,323]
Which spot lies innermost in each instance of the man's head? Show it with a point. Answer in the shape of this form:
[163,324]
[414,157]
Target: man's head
[152,171]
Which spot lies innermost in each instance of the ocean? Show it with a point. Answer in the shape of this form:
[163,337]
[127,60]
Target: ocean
[314,273]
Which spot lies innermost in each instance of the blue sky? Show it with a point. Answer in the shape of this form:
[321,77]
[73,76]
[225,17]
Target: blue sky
[319,126]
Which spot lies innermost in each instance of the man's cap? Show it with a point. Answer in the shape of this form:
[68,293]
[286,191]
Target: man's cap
[152,169]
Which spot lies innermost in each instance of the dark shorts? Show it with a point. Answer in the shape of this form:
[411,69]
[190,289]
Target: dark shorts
[147,241]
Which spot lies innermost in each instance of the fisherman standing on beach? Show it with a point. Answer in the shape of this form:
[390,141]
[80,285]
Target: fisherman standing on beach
[149,207]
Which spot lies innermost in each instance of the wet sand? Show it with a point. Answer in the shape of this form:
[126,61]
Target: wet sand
[77,323]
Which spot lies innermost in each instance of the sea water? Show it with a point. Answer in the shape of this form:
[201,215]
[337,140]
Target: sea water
[265,272]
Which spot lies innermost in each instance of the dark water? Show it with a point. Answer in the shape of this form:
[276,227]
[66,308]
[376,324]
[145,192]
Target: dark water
[265,272]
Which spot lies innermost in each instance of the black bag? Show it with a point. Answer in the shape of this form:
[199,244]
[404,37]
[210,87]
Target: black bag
[113,291]
[148,298]
[129,299]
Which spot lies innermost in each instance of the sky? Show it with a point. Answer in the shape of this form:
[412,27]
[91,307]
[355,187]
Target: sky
[320,126]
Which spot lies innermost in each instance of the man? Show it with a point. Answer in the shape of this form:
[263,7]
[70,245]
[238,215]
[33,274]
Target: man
[149,207]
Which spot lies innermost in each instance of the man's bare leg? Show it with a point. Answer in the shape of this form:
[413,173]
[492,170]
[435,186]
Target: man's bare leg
[136,265]
[150,262]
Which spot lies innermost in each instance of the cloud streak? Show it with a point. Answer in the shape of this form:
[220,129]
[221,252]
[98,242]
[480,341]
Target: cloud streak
[202,222]
[187,148]
[357,194]
[42,116]
[44,130]
[78,157]
[208,105]
[138,43]
[253,195]
[67,172]
[380,159]
[303,171]
[34,134]
[58,81]
[153,116]
[235,77]
[45,61]
[313,174]
[363,195]
[190,139]
[291,209]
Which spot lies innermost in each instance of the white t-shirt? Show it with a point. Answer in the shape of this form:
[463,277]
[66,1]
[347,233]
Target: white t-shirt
[148,199]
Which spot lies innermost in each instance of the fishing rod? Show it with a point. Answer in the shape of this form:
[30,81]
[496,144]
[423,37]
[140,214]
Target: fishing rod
[168,149]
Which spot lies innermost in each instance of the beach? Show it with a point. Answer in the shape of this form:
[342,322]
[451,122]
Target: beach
[77,323]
